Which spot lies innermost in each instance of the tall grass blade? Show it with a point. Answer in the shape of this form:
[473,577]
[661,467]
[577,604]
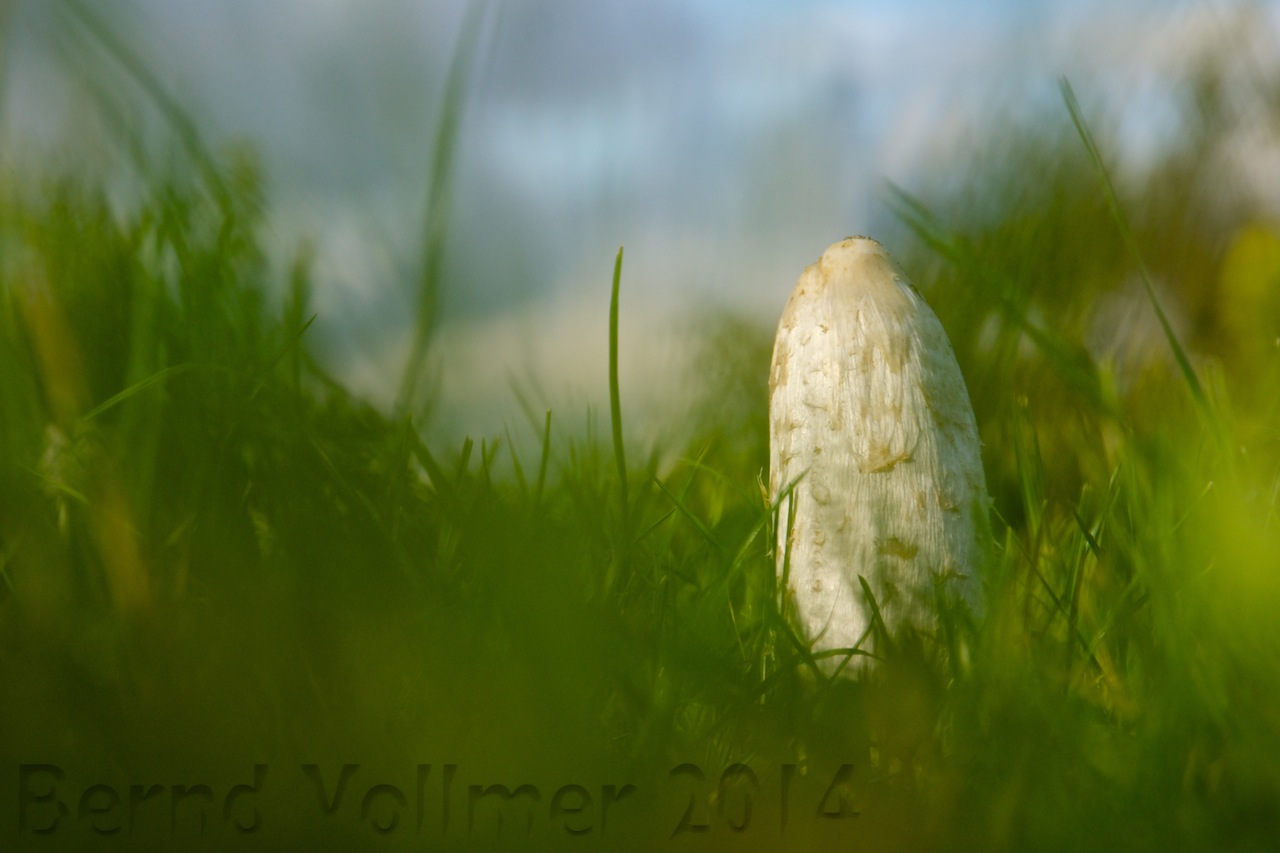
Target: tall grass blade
[439,192]
[1131,244]
[615,396]
[517,467]
[6,50]
[543,462]
[151,85]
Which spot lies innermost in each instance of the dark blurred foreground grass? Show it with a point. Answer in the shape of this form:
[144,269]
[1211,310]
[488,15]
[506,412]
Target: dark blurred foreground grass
[215,562]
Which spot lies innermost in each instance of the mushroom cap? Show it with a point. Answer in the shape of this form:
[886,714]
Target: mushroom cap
[871,422]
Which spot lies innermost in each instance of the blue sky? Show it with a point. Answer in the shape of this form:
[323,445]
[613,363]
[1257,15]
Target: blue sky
[724,143]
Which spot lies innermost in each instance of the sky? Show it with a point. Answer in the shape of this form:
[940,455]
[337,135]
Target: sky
[724,144]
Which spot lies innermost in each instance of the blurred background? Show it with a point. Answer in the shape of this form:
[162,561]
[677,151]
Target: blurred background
[724,144]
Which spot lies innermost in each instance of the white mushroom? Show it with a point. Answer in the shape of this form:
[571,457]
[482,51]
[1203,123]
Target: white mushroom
[872,430]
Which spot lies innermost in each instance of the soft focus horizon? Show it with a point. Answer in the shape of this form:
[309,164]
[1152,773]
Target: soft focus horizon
[724,145]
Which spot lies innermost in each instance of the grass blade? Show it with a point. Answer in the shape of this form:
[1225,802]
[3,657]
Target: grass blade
[1126,232]
[542,462]
[615,396]
[118,398]
[439,191]
[150,83]
[1076,372]
[876,618]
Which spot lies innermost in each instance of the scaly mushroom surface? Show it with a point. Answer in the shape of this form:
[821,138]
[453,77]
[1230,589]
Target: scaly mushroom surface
[872,431]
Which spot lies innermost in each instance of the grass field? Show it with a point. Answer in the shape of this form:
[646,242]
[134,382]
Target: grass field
[225,581]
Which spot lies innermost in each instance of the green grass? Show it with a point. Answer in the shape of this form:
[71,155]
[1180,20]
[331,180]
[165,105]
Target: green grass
[213,555]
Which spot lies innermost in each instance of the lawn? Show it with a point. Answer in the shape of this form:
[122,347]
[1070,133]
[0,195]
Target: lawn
[242,608]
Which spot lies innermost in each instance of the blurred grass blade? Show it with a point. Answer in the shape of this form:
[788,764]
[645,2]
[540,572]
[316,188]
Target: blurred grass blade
[6,56]
[543,461]
[691,516]
[1077,372]
[615,396]
[169,107]
[118,398]
[1126,232]
[517,467]
[877,621]
[439,192]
